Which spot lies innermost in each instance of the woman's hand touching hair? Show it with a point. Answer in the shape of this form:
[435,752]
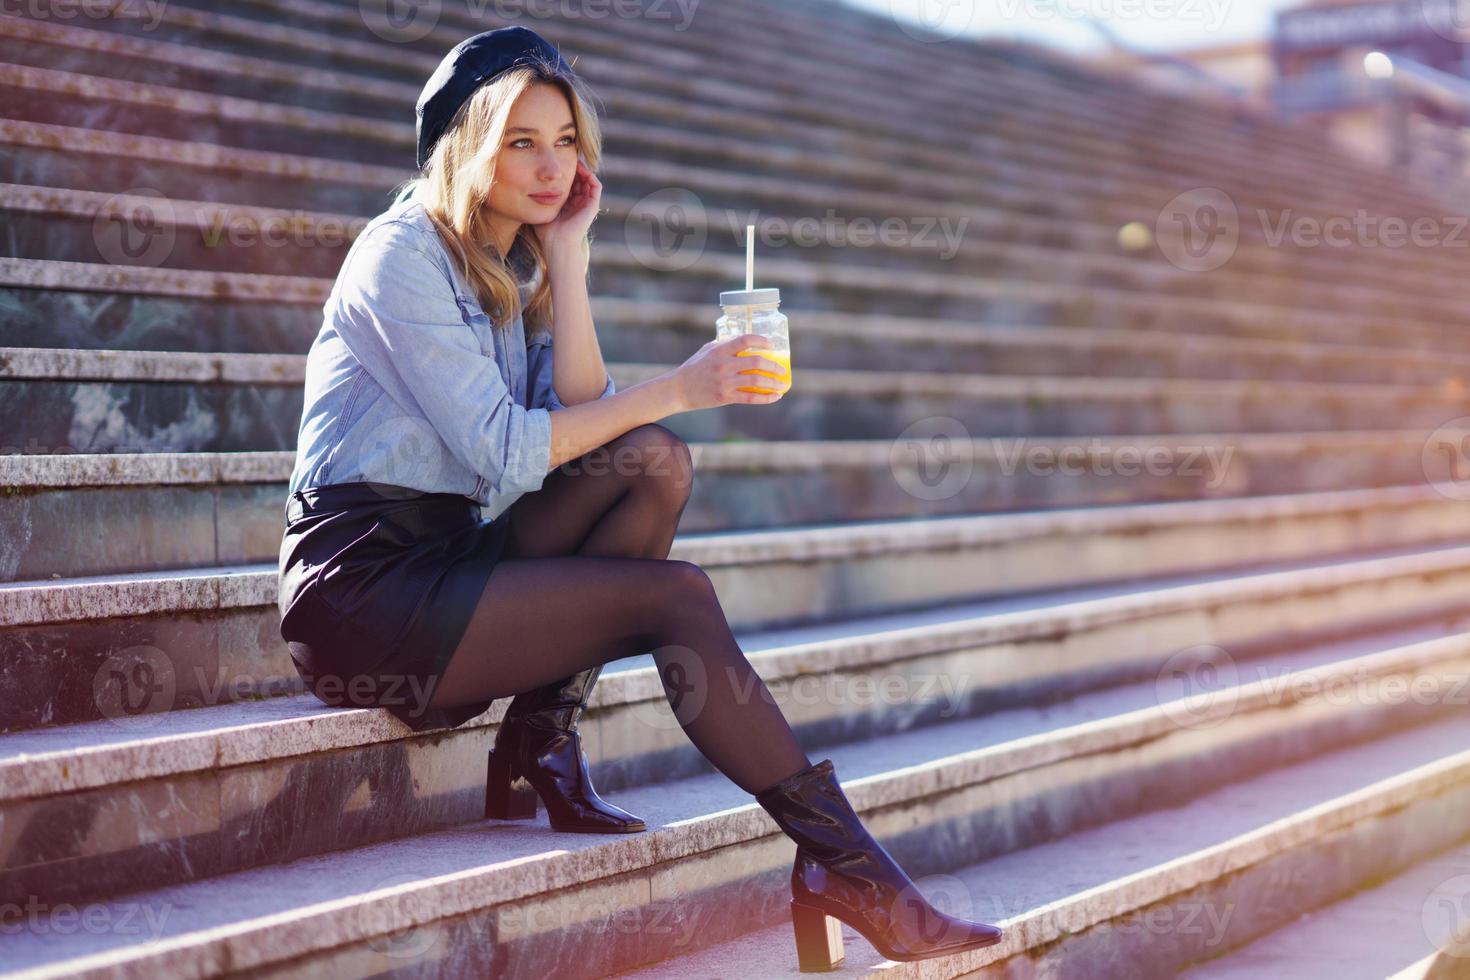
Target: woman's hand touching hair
[577,213]
[712,376]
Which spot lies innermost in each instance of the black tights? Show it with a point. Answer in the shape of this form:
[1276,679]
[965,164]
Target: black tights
[586,580]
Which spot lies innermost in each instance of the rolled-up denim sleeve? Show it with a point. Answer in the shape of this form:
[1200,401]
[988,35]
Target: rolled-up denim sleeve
[399,317]
[538,372]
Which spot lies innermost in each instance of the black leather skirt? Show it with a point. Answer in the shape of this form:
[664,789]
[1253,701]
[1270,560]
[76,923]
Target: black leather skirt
[377,585]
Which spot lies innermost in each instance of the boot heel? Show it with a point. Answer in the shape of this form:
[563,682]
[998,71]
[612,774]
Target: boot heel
[508,796]
[818,939]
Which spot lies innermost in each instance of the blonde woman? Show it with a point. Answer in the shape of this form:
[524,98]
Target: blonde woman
[427,401]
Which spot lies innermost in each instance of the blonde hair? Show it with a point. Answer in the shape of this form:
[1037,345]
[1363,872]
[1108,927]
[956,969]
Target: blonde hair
[455,188]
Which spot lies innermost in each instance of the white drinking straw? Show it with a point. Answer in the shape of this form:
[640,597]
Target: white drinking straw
[749,257]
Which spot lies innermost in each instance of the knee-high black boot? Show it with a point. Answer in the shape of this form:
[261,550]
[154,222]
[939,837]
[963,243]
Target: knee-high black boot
[842,872]
[538,753]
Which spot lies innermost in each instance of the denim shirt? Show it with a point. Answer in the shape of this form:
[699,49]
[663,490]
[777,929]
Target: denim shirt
[408,382]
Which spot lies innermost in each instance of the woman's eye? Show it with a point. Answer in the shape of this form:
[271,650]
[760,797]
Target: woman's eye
[527,139]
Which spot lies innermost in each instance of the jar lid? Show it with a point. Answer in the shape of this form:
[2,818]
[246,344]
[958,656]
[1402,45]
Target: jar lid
[749,297]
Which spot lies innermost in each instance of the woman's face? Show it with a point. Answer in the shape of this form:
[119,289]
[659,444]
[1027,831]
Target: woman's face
[538,156]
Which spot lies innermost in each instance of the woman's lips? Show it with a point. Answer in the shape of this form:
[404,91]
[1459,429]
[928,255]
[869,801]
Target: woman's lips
[548,198]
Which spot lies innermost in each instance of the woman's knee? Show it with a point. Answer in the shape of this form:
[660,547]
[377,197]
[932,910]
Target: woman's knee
[659,458]
[685,585]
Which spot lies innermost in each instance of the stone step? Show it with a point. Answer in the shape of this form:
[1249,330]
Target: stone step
[1412,925]
[661,331]
[78,226]
[1139,896]
[1275,758]
[849,289]
[101,513]
[167,55]
[81,647]
[185,405]
[917,669]
[103,306]
[871,289]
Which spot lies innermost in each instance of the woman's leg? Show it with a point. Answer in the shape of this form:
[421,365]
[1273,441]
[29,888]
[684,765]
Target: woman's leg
[620,500]
[543,618]
[623,499]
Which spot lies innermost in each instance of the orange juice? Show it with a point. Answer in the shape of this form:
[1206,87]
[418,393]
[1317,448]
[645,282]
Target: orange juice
[757,311]
[781,357]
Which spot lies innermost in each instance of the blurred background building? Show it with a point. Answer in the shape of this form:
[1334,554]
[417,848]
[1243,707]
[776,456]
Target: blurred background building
[1386,79]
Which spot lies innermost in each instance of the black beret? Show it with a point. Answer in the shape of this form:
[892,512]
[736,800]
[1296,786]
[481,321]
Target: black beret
[472,61]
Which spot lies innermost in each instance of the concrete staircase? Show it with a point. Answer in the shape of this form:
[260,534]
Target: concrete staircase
[1129,601]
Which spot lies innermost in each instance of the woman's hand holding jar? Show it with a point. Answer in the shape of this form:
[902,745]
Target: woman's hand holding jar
[720,373]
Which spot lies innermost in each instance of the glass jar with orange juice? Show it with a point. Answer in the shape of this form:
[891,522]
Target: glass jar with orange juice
[756,311]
